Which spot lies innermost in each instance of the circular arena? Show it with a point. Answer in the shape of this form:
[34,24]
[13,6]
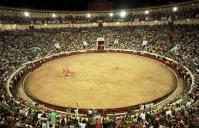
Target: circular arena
[108,81]
[102,80]
[129,68]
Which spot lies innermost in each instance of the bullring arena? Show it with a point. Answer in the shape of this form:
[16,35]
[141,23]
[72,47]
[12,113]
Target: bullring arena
[108,80]
[112,64]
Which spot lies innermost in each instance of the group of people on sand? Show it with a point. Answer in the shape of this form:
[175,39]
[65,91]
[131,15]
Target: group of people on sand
[66,73]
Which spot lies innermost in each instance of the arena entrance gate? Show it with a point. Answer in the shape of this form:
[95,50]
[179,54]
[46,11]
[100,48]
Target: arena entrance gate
[100,44]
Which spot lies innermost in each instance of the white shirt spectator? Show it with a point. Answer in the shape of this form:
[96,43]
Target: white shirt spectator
[169,112]
[143,116]
[82,125]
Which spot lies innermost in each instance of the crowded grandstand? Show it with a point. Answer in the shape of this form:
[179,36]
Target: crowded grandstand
[28,35]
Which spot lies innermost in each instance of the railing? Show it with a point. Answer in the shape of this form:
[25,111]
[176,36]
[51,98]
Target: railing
[25,26]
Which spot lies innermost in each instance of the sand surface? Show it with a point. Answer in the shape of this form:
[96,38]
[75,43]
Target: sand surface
[102,80]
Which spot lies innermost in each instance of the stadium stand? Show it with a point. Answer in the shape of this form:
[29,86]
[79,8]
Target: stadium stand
[176,41]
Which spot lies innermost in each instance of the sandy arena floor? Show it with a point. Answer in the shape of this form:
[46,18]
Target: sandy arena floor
[102,80]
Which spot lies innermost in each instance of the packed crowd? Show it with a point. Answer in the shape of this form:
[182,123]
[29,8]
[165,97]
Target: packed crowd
[179,42]
[189,12]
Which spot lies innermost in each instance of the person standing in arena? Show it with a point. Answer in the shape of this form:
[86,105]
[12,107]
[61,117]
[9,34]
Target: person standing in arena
[49,67]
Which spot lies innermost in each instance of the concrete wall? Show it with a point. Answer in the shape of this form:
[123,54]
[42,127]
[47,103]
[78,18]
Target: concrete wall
[39,26]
